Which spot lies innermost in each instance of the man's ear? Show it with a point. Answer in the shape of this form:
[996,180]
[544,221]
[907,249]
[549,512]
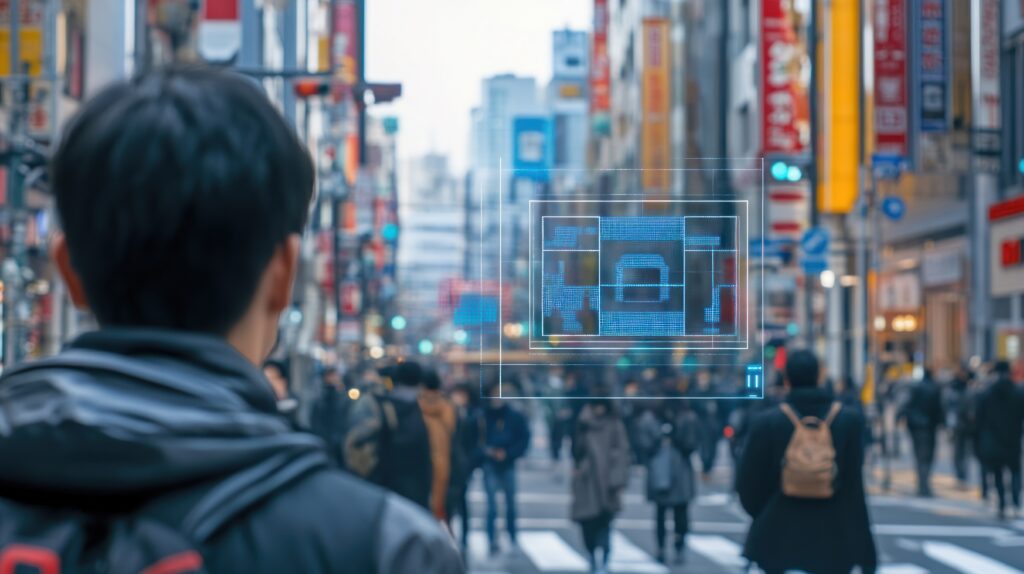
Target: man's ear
[62,257]
[283,266]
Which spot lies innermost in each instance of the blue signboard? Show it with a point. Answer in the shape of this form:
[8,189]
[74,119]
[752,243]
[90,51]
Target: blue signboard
[932,64]
[532,148]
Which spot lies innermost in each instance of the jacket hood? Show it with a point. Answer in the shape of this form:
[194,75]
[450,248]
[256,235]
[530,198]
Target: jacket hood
[124,412]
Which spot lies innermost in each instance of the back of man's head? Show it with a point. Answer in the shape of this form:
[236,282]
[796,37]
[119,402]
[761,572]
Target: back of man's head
[431,380]
[407,374]
[174,191]
[1001,368]
[802,369]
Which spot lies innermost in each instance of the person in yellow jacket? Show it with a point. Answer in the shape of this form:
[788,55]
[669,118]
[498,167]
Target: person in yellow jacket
[439,416]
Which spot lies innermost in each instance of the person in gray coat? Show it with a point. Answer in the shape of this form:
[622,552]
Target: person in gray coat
[602,461]
[671,483]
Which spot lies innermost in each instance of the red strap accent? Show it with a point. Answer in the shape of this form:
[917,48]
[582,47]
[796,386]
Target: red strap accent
[42,559]
[181,563]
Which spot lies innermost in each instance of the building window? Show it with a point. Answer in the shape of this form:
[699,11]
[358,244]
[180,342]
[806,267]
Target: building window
[1013,111]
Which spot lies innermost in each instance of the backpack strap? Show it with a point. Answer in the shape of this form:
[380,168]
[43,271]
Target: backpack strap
[203,510]
[790,414]
[832,412]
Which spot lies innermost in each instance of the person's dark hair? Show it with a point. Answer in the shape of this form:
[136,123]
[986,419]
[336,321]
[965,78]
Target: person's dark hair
[802,369]
[407,373]
[173,190]
[1001,368]
[431,380]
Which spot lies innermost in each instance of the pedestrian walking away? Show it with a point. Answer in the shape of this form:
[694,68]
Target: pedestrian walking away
[815,520]
[439,416]
[154,443]
[923,414]
[388,442]
[1000,416]
[602,460]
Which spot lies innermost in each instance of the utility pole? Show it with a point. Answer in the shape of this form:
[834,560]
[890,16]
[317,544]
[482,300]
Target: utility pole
[12,265]
[812,175]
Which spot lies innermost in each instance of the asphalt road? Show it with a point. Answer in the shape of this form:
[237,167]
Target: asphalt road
[951,533]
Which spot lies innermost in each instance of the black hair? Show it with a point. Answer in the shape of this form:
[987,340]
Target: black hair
[1001,367]
[406,373]
[431,380]
[802,369]
[174,189]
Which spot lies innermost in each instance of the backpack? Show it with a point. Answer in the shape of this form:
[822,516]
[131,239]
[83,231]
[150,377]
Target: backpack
[809,464]
[165,535]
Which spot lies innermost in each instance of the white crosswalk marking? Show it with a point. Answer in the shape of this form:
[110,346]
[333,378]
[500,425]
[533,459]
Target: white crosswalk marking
[964,560]
[628,557]
[718,549]
[550,553]
[901,569]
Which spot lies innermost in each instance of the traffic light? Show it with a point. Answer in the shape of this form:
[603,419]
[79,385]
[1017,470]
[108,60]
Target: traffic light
[312,87]
[398,322]
[783,171]
[426,347]
[1020,166]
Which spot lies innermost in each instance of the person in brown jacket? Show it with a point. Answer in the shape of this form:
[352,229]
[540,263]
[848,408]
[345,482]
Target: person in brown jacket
[439,416]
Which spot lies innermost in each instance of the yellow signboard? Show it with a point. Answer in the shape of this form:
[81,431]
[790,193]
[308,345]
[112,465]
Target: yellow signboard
[31,50]
[655,151]
[840,125]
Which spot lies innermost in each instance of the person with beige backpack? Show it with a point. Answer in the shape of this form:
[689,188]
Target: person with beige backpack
[800,479]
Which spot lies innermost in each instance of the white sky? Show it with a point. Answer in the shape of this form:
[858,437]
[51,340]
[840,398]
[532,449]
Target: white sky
[440,50]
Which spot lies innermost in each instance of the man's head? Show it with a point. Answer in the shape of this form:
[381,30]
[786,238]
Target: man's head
[431,380]
[407,374]
[1001,368]
[802,369]
[182,195]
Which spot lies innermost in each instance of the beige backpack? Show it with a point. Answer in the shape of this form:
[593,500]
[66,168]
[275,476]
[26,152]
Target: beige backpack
[809,465]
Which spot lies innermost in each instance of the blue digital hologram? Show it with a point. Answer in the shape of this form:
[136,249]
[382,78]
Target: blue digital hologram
[632,261]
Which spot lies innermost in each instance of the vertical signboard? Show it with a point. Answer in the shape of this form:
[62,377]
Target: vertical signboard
[933,65]
[838,186]
[785,125]
[655,142]
[600,69]
[30,36]
[890,43]
[985,68]
[343,46]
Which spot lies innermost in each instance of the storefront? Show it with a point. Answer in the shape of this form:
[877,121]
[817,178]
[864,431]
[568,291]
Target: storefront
[1007,277]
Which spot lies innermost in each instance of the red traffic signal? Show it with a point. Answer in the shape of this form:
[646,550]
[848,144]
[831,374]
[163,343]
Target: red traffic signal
[311,87]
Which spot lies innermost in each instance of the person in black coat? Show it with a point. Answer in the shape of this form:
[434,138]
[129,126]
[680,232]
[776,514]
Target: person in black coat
[924,414]
[824,536]
[1000,416]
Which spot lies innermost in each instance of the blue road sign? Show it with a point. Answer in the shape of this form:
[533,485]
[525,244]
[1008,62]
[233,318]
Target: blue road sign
[815,241]
[814,265]
[887,166]
[893,207]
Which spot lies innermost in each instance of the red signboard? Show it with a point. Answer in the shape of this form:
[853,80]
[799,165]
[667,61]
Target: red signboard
[890,45]
[785,127]
[600,67]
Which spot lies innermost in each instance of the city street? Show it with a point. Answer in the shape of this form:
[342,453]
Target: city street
[951,533]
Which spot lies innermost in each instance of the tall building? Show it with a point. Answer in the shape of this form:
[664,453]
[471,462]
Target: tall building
[503,98]
[432,245]
[567,101]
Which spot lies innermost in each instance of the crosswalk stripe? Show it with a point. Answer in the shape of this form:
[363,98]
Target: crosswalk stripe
[900,569]
[718,549]
[964,560]
[477,547]
[628,557]
[549,553]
